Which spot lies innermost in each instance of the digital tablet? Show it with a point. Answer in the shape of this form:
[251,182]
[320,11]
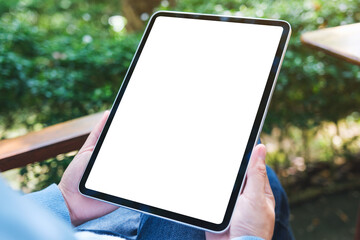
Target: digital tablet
[187,116]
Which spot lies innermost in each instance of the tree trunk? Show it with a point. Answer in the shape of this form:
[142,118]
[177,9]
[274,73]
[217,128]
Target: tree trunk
[133,9]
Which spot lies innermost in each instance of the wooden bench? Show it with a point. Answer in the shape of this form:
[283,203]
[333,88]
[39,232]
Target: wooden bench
[47,143]
[342,41]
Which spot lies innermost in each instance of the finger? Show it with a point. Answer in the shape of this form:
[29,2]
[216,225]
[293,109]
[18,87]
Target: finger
[256,174]
[95,133]
[268,189]
[268,192]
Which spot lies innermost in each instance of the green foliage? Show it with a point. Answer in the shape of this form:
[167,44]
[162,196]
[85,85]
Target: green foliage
[57,64]
[37,176]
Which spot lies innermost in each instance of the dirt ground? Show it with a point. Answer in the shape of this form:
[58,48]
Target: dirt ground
[326,218]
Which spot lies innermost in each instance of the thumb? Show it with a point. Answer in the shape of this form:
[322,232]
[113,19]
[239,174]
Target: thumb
[95,133]
[256,174]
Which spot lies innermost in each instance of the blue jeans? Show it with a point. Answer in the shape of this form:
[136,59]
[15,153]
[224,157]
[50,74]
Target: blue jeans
[132,225]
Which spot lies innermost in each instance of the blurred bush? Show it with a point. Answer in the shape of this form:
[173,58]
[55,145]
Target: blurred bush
[61,60]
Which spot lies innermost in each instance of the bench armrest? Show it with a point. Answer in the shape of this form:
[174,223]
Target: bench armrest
[46,143]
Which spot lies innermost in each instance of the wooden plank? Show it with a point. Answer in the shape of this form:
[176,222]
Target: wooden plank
[46,143]
[342,41]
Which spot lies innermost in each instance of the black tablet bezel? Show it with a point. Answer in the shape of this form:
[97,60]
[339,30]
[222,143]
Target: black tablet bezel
[251,142]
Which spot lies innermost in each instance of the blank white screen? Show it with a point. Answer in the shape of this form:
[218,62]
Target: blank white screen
[178,137]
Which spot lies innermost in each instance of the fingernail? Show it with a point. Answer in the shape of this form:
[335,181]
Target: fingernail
[262,153]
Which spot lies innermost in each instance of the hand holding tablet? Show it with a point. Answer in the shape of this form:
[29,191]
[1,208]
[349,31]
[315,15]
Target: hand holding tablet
[83,209]
[181,130]
[253,213]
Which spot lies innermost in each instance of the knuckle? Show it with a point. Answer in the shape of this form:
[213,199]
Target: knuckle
[261,170]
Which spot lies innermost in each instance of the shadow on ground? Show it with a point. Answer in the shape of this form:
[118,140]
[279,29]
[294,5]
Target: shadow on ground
[326,218]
